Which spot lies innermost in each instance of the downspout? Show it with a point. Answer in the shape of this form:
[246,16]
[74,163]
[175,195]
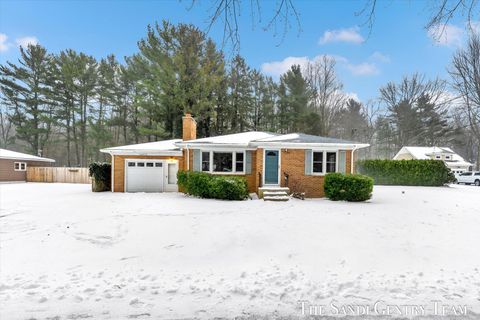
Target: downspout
[188,158]
[113,173]
[351,159]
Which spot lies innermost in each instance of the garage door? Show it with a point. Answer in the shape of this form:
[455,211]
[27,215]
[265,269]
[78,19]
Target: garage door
[144,176]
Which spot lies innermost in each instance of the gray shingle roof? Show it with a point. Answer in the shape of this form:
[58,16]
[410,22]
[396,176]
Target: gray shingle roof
[304,138]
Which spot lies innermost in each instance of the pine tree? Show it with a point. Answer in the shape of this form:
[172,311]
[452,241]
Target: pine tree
[25,88]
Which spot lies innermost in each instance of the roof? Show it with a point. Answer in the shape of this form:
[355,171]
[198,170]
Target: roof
[304,138]
[423,153]
[236,139]
[167,147]
[13,155]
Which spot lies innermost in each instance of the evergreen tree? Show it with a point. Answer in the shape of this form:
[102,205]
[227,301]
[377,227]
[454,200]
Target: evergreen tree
[25,88]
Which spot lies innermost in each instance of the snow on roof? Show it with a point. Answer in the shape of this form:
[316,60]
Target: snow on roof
[243,138]
[8,154]
[157,146]
[304,138]
[424,153]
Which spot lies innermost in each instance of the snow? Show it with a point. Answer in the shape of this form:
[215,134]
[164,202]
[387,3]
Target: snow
[8,154]
[164,145]
[424,153]
[243,138]
[68,253]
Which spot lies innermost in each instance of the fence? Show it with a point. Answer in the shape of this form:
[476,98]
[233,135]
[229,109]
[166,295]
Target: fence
[58,174]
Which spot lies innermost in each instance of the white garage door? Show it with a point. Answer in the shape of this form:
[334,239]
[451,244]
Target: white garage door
[144,176]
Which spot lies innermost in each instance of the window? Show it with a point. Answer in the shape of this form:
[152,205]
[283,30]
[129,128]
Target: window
[477,173]
[172,174]
[140,164]
[331,161]
[150,164]
[466,174]
[437,157]
[239,162]
[222,162]
[131,164]
[447,157]
[20,166]
[158,164]
[205,161]
[318,162]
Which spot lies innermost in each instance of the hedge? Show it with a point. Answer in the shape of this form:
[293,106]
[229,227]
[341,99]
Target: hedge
[407,172]
[205,185]
[101,172]
[350,187]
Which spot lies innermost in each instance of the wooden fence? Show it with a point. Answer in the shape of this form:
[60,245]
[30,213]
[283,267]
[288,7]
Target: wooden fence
[58,174]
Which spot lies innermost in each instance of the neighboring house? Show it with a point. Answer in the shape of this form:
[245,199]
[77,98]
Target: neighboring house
[267,160]
[13,165]
[455,162]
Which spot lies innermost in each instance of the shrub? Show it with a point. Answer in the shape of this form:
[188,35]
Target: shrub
[352,187]
[407,172]
[101,172]
[205,185]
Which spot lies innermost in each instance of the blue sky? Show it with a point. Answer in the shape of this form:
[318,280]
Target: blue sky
[397,45]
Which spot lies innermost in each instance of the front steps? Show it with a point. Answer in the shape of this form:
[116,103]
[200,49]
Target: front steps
[274,193]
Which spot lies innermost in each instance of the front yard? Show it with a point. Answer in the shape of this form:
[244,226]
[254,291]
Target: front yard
[69,253]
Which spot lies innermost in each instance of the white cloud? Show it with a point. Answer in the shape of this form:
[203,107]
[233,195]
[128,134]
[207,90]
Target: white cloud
[350,35]
[447,35]
[352,95]
[363,69]
[277,68]
[25,41]
[4,45]
[380,57]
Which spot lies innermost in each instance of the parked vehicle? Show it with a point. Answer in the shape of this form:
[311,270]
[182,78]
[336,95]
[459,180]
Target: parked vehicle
[470,177]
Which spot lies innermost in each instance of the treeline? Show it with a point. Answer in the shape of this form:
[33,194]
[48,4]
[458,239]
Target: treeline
[69,105]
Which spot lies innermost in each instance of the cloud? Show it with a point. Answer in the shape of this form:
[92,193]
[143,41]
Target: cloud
[4,45]
[447,35]
[352,95]
[277,68]
[25,41]
[350,35]
[380,57]
[363,69]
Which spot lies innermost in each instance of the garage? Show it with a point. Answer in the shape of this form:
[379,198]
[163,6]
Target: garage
[144,175]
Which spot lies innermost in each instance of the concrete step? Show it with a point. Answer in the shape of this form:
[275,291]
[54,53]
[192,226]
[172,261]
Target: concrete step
[276,198]
[274,193]
[262,189]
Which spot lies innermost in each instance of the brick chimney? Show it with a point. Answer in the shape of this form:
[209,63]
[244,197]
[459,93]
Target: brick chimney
[189,128]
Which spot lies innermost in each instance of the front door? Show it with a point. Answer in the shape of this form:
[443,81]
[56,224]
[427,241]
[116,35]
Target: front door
[271,167]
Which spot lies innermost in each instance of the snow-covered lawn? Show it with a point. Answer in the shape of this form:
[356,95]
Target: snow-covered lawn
[71,253]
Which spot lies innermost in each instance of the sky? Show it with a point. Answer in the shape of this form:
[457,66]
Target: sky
[397,45]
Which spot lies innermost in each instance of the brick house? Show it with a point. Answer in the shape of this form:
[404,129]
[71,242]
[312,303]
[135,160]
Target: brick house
[13,165]
[268,161]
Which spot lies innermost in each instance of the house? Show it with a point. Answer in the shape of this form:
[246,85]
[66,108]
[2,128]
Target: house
[13,165]
[453,161]
[267,160]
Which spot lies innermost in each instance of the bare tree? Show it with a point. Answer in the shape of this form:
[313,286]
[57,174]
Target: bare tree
[6,128]
[465,72]
[328,97]
[227,12]
[411,88]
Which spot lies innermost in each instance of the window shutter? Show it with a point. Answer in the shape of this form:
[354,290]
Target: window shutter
[308,162]
[248,162]
[196,159]
[342,156]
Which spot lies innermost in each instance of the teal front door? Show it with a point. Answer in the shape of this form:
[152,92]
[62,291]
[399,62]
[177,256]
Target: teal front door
[271,167]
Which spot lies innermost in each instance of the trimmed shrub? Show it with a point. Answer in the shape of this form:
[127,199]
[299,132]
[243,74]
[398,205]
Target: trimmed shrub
[407,172]
[205,185]
[351,187]
[101,172]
